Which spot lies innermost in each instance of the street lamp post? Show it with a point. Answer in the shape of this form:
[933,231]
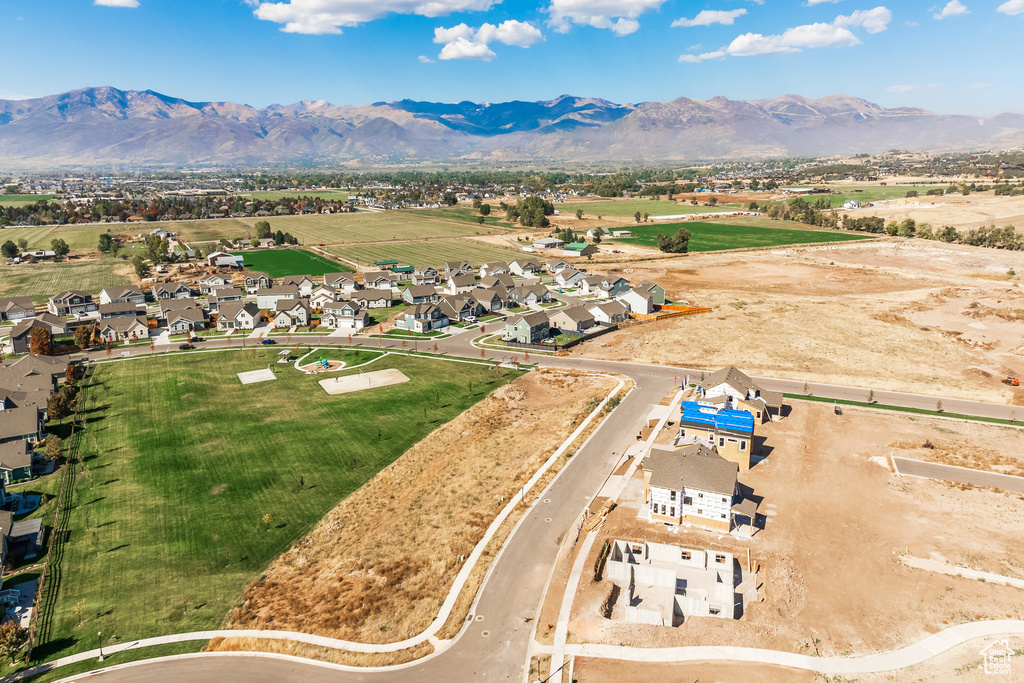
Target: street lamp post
[99,637]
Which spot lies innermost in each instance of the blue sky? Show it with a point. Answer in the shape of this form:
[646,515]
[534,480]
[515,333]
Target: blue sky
[950,57]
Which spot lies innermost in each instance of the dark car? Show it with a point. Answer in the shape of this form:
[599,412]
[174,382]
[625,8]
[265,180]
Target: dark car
[268,342]
[185,347]
[197,339]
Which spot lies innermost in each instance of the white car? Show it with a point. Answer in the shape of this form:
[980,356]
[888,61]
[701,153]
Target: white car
[470,318]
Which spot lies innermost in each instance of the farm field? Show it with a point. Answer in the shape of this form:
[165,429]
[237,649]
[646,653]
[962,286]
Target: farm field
[467,214]
[715,236]
[428,252]
[873,193]
[340,195]
[628,207]
[172,518]
[43,280]
[15,199]
[280,262]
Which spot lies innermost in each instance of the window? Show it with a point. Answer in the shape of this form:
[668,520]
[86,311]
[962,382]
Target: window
[759,415]
[672,511]
[700,495]
[687,500]
[723,515]
[672,495]
[743,445]
[725,500]
[699,511]
[663,509]
[714,611]
[685,555]
[682,432]
[719,558]
[721,441]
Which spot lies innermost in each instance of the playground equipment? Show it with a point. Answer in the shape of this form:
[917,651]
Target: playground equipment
[322,364]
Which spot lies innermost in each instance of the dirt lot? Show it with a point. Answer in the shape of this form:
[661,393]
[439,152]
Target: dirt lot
[897,315]
[838,523]
[973,211]
[379,565]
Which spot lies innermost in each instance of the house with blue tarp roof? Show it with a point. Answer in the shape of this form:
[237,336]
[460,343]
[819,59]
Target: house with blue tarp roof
[729,432]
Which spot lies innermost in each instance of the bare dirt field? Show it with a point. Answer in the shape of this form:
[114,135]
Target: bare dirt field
[838,523]
[973,211]
[902,315]
[378,566]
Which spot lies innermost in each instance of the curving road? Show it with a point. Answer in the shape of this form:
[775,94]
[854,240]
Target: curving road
[495,644]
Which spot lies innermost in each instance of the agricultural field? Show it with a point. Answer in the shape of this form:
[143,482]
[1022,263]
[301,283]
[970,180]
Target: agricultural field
[628,207]
[280,262]
[872,193]
[715,236]
[193,478]
[428,252]
[42,280]
[16,199]
[339,195]
[467,214]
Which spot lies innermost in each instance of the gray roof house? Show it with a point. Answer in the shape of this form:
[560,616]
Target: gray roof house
[531,328]
[420,294]
[576,319]
[16,308]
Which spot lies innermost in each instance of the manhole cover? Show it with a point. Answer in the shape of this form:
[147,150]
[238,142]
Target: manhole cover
[547,500]
[485,634]
[479,618]
[548,519]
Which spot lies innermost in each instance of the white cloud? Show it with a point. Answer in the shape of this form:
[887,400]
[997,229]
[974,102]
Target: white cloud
[873,20]
[805,37]
[599,14]
[318,17]
[425,59]
[465,42]
[907,87]
[953,8]
[812,3]
[116,3]
[711,16]
[1011,7]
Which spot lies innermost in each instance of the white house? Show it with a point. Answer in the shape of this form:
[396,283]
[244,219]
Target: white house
[305,283]
[637,301]
[495,268]
[610,313]
[122,295]
[344,315]
[690,485]
[291,312]
[266,299]
[524,267]
[322,295]
[238,315]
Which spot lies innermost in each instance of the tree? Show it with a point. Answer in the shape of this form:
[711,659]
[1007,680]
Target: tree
[54,446]
[712,201]
[58,405]
[480,220]
[278,238]
[254,242]
[79,611]
[262,229]
[106,243]
[12,639]
[83,335]
[485,209]
[141,268]
[9,249]
[266,520]
[156,248]
[636,216]
[678,243]
[579,214]
[40,341]
[60,249]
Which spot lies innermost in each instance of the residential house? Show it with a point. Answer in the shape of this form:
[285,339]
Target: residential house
[460,307]
[120,309]
[373,298]
[569,277]
[291,312]
[556,266]
[530,296]
[219,297]
[17,308]
[238,315]
[71,303]
[424,275]
[420,294]
[345,283]
[453,268]
[490,299]
[730,388]
[120,295]
[576,319]
[381,279]
[524,267]
[549,243]
[266,299]
[690,485]
[730,432]
[180,319]
[588,285]
[208,283]
[172,290]
[305,283]
[622,233]
[322,295]
[423,318]
[502,280]
[21,424]
[459,284]
[638,302]
[579,249]
[531,328]
[656,291]
[344,315]
[21,333]
[221,259]
[124,328]
[255,281]
[609,313]
[494,268]
[611,286]
[22,539]
[15,461]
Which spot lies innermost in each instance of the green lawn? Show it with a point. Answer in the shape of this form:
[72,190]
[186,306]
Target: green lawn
[715,236]
[280,262]
[167,525]
[628,207]
[15,199]
[42,280]
[429,252]
[873,193]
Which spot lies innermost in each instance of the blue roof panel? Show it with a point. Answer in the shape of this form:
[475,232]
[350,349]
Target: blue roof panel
[735,420]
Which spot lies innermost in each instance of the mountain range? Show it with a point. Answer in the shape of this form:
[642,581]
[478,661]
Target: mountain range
[110,128]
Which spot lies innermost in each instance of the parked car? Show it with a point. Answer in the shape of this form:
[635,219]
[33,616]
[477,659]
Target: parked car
[470,318]
[268,342]
[185,347]
[197,339]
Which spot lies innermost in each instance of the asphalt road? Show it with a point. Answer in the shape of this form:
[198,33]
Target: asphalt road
[495,645]
[960,475]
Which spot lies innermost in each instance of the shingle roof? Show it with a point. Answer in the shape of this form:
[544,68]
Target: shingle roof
[693,467]
[15,454]
[740,381]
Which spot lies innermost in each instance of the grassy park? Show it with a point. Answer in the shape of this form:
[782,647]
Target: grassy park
[715,236]
[191,483]
[280,262]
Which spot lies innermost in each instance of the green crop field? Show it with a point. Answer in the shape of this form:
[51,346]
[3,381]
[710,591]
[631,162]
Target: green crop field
[42,280]
[628,207]
[429,252]
[871,193]
[192,483]
[713,236]
[15,199]
[339,195]
[280,262]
